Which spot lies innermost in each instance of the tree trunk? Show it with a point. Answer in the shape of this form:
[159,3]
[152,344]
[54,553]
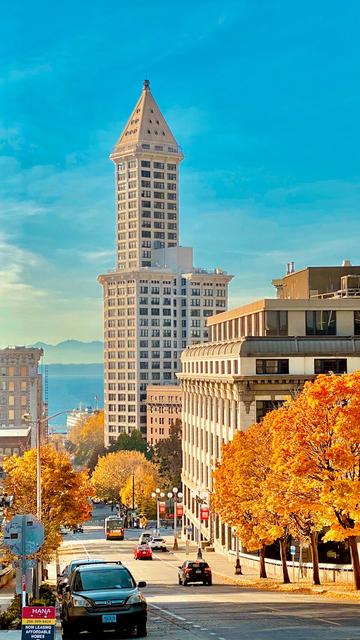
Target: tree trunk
[286,579]
[315,558]
[355,561]
[262,563]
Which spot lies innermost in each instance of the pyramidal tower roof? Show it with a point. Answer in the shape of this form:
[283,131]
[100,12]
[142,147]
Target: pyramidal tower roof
[146,125]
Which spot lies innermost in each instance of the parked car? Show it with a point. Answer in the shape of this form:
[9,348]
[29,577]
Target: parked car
[64,530]
[78,529]
[194,571]
[103,597]
[63,577]
[143,552]
[145,538]
[157,544]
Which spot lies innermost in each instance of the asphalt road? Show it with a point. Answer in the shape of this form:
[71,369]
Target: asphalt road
[220,612]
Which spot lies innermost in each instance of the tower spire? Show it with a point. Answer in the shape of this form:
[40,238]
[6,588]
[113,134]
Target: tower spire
[146,85]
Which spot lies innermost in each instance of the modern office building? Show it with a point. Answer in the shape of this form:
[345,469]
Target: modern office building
[20,394]
[163,410]
[258,355]
[155,301]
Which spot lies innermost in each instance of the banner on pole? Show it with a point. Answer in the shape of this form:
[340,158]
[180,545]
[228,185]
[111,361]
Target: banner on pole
[162,507]
[204,512]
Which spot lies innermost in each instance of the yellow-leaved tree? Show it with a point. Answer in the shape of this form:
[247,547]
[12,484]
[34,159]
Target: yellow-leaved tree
[112,478]
[64,492]
[86,440]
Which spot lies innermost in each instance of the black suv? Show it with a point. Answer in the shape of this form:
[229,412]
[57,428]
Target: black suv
[63,578]
[101,597]
[194,571]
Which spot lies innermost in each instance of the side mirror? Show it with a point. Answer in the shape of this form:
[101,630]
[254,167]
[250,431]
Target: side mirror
[141,584]
[67,588]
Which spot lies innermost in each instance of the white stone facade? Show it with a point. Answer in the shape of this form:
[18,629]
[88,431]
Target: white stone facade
[230,384]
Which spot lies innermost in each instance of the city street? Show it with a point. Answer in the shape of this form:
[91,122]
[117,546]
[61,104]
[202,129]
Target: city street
[220,612]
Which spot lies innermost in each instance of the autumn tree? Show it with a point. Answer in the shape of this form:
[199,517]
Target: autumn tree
[168,455]
[145,481]
[322,431]
[295,498]
[240,492]
[86,440]
[114,471]
[64,492]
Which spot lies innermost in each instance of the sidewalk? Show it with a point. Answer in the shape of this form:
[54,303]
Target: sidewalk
[223,567]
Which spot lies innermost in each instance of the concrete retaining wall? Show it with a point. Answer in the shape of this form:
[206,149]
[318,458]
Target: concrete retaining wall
[341,573]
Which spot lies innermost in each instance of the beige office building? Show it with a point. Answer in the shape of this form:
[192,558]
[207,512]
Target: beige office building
[20,393]
[163,410]
[258,355]
[155,301]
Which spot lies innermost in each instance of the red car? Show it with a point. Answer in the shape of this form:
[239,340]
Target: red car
[143,552]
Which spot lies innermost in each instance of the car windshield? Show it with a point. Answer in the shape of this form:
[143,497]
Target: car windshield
[103,579]
[198,565]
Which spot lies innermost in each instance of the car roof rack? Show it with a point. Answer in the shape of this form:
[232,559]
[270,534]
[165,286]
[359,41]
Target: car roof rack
[97,564]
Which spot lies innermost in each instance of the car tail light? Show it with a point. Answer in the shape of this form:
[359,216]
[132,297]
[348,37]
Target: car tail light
[207,569]
[187,570]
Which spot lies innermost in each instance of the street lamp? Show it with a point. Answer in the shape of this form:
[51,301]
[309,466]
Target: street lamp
[157,494]
[176,495]
[27,418]
[238,570]
[200,500]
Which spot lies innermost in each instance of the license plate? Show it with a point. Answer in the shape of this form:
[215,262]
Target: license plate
[198,571]
[108,619]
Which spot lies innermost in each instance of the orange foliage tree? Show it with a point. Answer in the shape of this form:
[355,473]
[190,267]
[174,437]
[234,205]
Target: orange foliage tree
[295,499]
[322,430]
[240,492]
[64,492]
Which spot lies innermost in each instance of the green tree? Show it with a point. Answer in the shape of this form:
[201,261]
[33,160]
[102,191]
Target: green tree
[168,456]
[134,441]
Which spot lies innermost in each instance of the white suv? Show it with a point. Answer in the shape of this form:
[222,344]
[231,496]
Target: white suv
[145,538]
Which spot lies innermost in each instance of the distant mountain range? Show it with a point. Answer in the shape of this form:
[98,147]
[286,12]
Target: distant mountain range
[72,352]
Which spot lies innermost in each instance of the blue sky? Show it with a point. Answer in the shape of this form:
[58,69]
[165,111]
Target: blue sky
[263,96]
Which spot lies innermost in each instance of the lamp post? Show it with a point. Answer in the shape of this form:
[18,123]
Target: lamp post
[157,494]
[27,418]
[176,495]
[200,500]
[238,570]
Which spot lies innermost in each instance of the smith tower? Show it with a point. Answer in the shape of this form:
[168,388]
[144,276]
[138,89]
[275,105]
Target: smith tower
[155,302]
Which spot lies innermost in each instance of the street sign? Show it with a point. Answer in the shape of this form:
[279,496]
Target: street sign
[24,535]
[38,622]
[292,550]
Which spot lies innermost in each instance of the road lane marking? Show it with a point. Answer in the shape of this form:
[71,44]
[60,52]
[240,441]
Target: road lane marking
[86,551]
[173,615]
[337,624]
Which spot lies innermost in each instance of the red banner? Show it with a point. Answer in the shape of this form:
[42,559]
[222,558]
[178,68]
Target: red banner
[162,507]
[179,510]
[204,512]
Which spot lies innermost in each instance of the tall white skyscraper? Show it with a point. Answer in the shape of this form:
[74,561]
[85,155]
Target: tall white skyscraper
[155,302]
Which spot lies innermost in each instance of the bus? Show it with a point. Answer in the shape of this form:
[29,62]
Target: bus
[114,528]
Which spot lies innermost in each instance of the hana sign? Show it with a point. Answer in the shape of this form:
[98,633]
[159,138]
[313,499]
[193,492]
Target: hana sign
[38,623]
